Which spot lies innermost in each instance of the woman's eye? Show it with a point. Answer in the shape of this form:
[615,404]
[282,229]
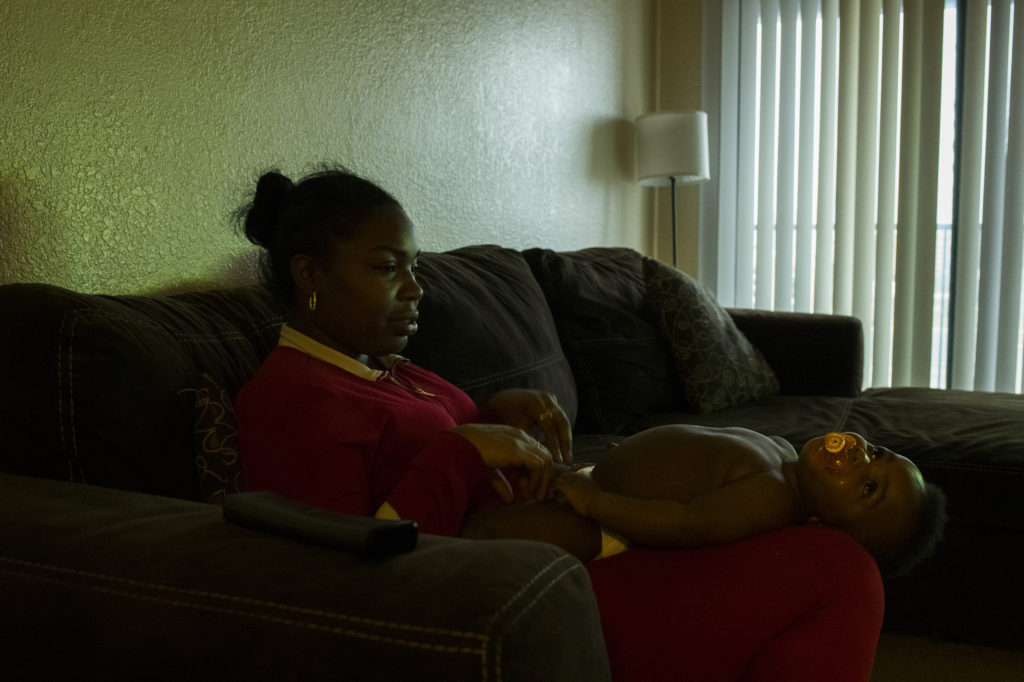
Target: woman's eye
[391,267]
[869,488]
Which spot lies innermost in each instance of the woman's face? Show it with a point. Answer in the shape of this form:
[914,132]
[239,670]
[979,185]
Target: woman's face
[367,295]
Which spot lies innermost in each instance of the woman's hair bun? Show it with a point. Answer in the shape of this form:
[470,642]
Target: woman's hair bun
[268,204]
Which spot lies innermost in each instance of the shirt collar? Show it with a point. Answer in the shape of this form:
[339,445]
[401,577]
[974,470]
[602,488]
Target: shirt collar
[291,338]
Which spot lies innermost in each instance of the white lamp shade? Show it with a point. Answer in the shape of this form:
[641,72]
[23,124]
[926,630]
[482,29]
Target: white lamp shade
[672,144]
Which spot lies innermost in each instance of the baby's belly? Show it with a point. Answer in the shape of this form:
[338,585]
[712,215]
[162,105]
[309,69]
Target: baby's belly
[669,462]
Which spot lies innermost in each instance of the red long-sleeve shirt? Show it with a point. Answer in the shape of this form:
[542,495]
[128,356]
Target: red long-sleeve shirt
[315,432]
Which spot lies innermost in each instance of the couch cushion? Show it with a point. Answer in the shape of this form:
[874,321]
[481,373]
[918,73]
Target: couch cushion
[795,418]
[717,365]
[100,584]
[99,380]
[610,335]
[485,326]
[969,443]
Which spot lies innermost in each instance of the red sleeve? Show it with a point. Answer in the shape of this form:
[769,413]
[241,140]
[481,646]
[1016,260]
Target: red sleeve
[437,487]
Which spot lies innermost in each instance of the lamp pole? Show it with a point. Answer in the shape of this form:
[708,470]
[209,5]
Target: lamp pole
[672,183]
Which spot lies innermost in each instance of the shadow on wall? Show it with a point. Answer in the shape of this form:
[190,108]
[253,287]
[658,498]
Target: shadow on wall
[30,237]
[613,162]
[239,270]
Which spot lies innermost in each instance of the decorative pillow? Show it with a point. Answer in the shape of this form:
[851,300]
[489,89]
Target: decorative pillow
[717,364]
[215,436]
[485,326]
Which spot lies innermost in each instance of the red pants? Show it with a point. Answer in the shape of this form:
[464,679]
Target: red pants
[800,604]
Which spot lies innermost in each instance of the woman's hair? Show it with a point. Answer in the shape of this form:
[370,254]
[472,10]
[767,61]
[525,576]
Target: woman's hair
[925,537]
[287,218]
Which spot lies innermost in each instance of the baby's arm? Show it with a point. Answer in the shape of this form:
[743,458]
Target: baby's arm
[755,504]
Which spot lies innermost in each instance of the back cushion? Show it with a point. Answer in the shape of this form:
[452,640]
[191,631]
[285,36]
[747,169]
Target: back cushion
[96,388]
[610,335]
[485,326]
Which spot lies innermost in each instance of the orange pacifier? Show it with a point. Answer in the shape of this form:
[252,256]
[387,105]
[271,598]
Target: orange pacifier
[837,445]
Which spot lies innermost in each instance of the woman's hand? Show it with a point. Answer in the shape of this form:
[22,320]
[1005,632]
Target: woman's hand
[528,410]
[579,491]
[507,446]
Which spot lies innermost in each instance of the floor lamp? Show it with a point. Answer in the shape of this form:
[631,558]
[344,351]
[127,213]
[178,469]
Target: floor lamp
[672,149]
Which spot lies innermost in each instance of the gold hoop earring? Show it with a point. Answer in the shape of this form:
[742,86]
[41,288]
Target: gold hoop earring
[312,302]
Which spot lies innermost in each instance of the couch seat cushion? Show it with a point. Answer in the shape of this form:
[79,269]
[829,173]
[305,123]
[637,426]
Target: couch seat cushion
[971,444]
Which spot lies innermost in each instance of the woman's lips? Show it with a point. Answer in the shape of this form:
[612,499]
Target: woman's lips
[406,326]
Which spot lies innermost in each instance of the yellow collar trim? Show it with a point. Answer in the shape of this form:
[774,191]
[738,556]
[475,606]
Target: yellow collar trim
[299,341]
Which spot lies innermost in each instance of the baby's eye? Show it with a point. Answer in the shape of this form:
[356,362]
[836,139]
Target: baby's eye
[869,488]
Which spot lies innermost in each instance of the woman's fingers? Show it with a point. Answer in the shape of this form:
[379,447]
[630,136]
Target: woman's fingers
[557,433]
[502,486]
[501,446]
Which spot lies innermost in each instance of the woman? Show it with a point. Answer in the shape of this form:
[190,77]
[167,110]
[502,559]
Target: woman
[335,418]
[366,431]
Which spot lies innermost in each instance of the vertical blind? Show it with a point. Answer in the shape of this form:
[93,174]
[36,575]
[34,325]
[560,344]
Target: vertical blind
[838,187]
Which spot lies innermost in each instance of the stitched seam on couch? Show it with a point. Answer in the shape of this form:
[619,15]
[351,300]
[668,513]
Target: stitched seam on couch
[512,372]
[71,453]
[141,321]
[584,378]
[552,581]
[476,643]
[841,424]
[585,384]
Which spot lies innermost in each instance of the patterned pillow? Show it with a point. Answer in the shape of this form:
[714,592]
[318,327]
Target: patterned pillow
[215,436]
[717,364]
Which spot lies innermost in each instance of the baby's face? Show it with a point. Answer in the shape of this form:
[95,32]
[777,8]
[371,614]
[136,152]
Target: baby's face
[870,492]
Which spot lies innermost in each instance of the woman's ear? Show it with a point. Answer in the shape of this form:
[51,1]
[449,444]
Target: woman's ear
[306,272]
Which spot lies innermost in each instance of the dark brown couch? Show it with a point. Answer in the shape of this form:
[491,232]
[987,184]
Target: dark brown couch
[116,434]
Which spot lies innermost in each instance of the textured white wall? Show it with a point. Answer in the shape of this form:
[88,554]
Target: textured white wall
[130,130]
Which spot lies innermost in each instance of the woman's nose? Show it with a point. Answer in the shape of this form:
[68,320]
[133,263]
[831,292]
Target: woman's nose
[411,290]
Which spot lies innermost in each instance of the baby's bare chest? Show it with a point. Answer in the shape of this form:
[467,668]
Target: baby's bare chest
[678,466]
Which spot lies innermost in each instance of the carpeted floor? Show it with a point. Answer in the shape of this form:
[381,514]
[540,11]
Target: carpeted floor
[915,659]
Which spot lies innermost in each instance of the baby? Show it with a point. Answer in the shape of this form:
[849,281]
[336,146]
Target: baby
[690,486]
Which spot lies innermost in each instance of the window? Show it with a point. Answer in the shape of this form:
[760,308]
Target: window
[870,162]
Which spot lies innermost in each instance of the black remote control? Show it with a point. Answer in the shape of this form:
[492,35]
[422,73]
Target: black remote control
[364,535]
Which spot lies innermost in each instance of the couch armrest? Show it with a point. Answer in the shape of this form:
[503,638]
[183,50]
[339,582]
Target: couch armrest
[97,583]
[811,354]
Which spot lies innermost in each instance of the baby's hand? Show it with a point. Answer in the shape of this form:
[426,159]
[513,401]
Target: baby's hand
[578,489]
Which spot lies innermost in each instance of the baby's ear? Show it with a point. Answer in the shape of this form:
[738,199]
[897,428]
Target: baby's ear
[813,521]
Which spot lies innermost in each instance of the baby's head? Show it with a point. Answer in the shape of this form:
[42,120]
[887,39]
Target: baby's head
[874,495]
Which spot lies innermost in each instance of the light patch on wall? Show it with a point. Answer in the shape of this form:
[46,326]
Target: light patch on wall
[134,130]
